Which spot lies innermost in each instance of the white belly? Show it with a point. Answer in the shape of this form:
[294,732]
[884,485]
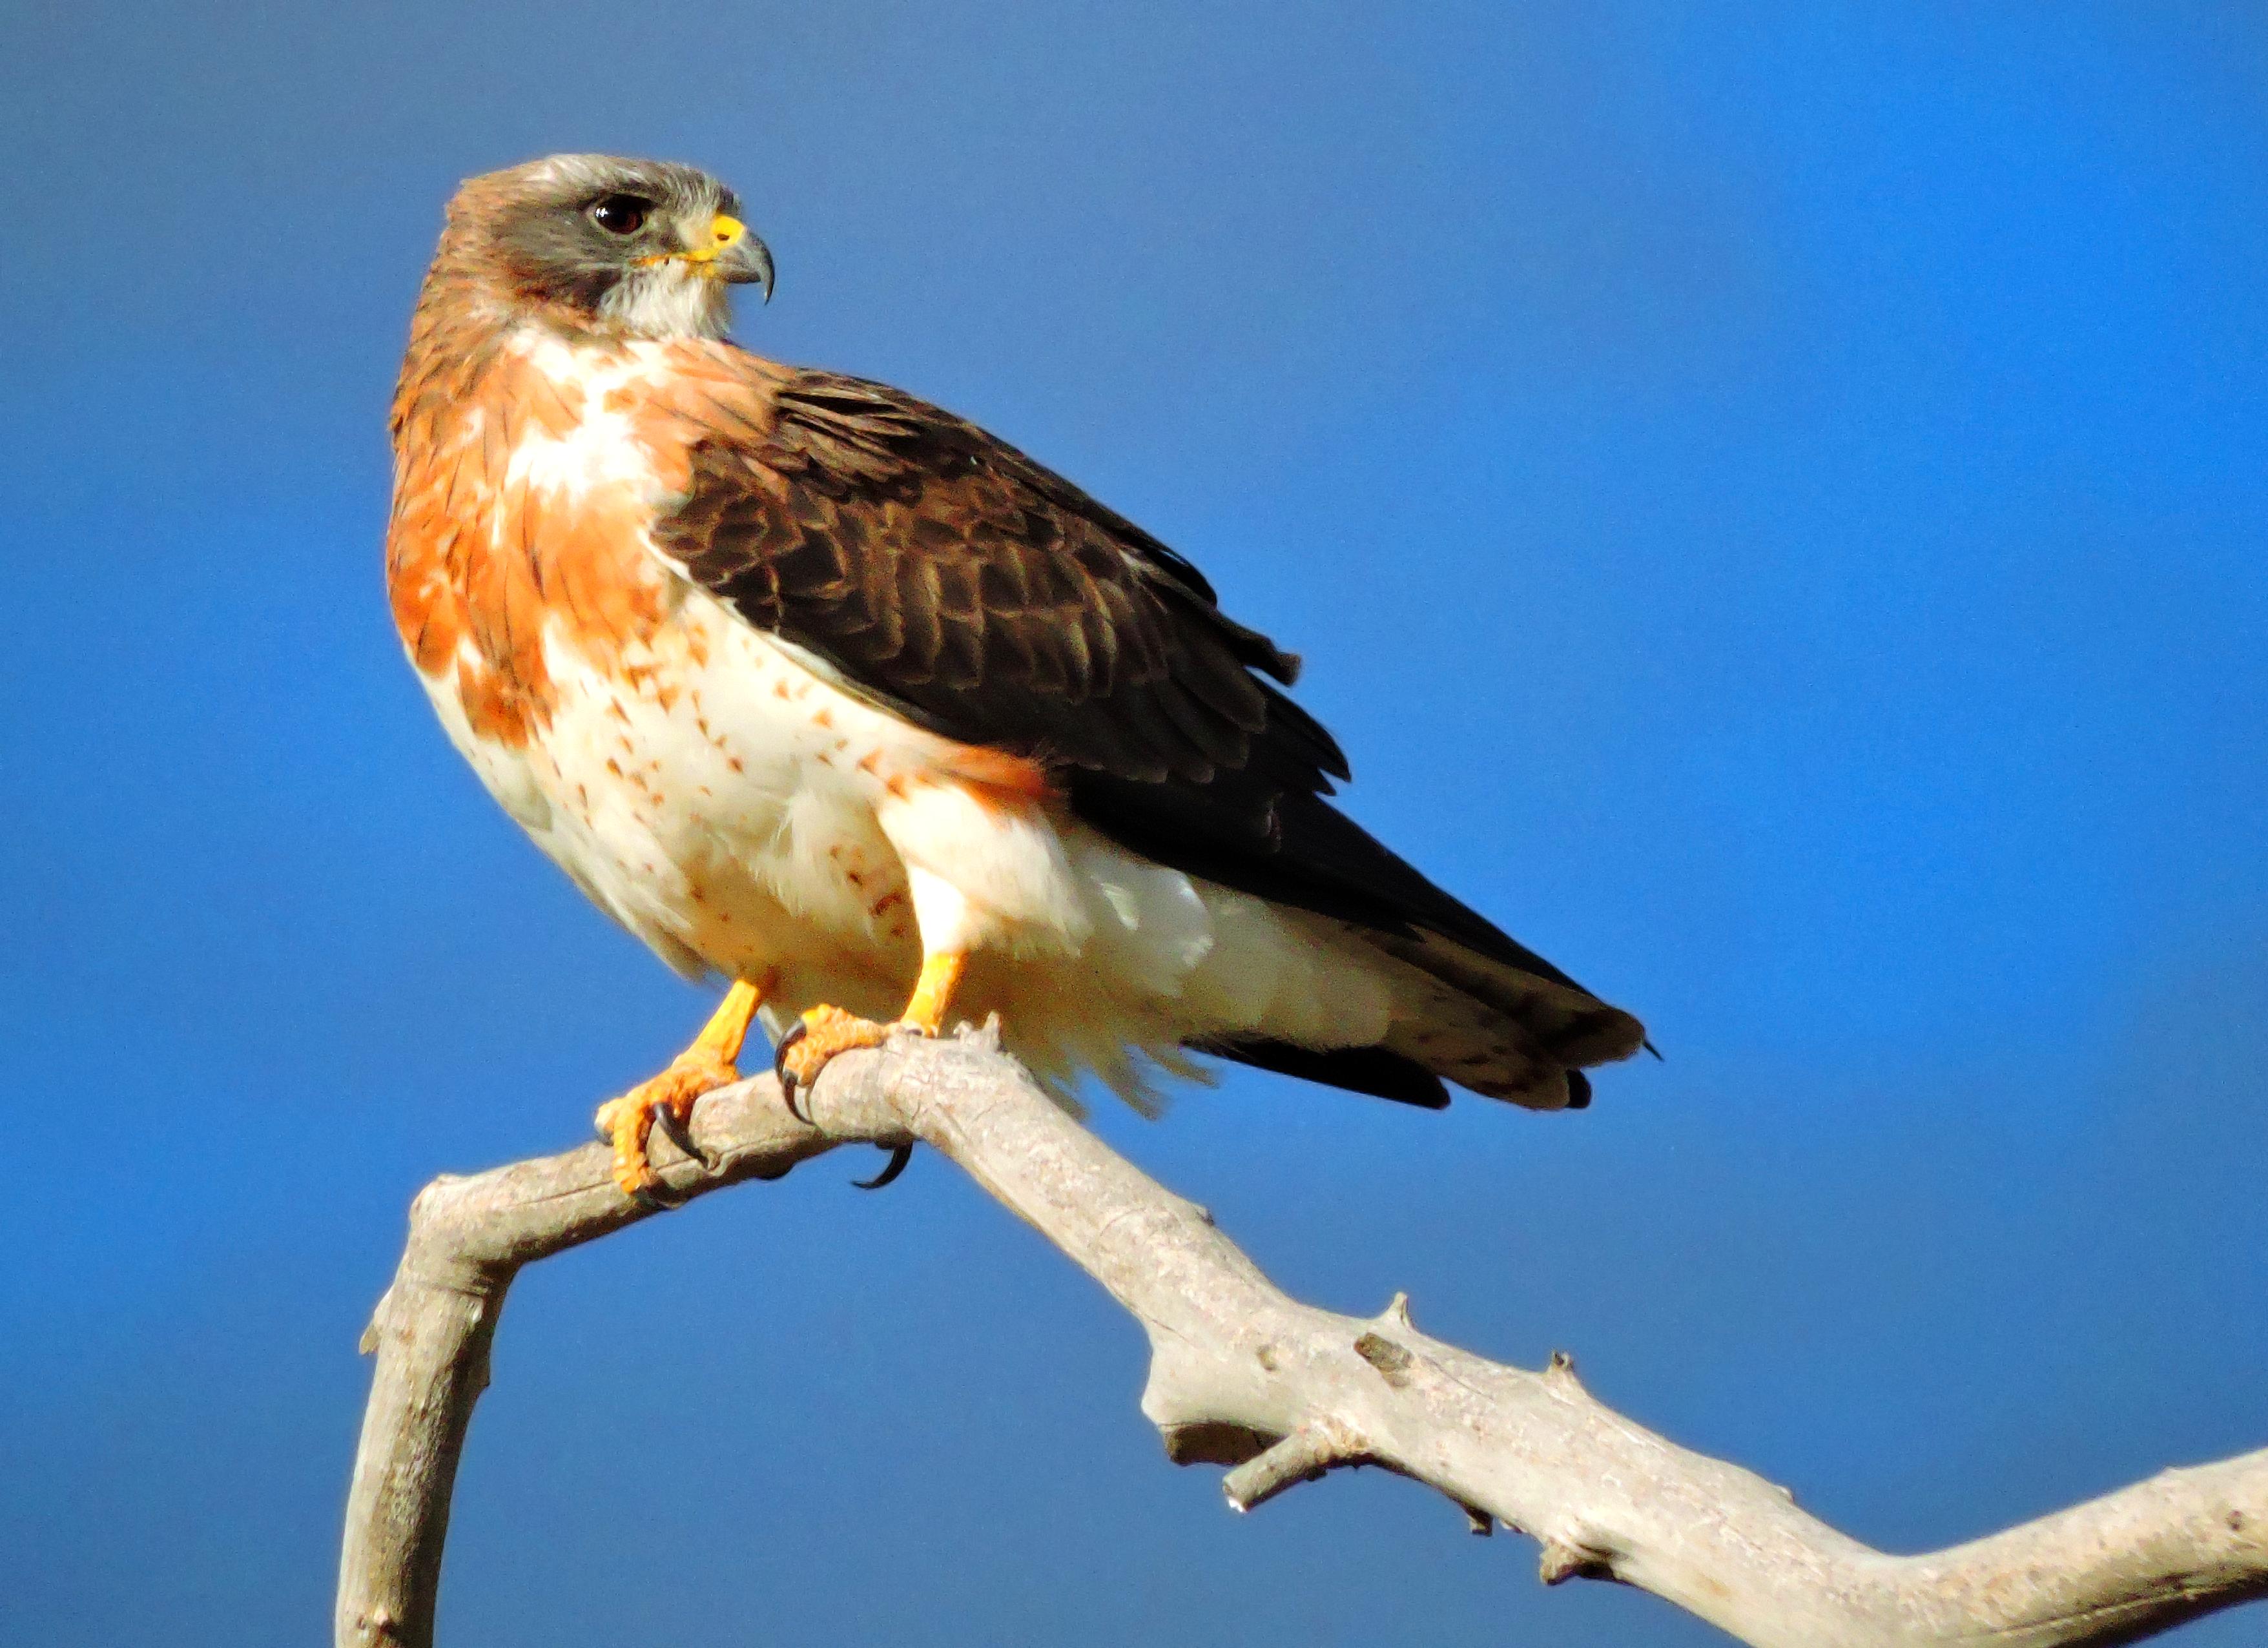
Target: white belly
[744,816]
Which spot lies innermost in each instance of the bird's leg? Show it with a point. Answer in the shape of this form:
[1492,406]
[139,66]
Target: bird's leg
[823,1032]
[932,997]
[628,1121]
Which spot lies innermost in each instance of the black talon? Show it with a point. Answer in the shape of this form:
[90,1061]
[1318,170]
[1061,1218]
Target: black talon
[658,1198]
[899,1155]
[678,1134]
[796,1033]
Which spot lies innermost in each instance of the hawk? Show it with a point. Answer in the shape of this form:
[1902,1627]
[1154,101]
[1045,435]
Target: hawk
[816,687]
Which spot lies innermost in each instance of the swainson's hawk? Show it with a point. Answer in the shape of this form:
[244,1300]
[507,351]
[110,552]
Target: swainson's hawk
[818,688]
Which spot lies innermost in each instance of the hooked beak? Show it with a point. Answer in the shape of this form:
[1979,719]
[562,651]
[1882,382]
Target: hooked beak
[726,251]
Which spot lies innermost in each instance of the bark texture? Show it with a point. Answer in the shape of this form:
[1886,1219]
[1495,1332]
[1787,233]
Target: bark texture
[1241,1375]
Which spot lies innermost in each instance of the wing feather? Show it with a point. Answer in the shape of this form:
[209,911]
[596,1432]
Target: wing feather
[953,580]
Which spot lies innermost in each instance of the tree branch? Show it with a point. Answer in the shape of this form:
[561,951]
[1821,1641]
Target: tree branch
[1242,1375]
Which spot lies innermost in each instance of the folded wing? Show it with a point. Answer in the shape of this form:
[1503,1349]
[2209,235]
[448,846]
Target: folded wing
[940,573]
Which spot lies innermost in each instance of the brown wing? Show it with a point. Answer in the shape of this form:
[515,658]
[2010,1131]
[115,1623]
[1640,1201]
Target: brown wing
[949,577]
[944,574]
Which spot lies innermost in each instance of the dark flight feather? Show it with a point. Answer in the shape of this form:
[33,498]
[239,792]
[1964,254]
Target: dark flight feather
[953,580]
[1371,1070]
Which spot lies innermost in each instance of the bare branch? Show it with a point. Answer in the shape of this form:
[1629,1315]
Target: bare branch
[1303,1456]
[1242,1375]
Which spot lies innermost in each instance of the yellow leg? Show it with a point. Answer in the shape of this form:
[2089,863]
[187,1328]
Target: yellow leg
[940,976]
[824,1031]
[627,1122]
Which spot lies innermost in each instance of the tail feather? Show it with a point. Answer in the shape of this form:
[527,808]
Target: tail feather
[1476,1007]
[1560,1021]
[1500,1031]
[1375,1070]
[1490,1028]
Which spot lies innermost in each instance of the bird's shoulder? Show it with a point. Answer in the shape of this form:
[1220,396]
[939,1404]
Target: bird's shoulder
[950,576]
[752,421]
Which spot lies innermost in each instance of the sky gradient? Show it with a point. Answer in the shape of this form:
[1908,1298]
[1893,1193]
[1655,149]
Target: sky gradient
[1772,504]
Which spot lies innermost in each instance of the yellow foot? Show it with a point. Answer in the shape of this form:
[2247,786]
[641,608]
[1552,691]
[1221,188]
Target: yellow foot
[628,1121]
[817,1037]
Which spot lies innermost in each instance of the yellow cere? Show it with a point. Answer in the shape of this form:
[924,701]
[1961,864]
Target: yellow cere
[724,231]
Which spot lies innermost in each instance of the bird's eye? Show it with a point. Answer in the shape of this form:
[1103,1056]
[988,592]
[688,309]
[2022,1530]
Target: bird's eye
[621,214]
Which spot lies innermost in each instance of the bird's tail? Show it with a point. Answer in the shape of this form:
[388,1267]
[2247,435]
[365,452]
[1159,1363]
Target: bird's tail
[1501,1030]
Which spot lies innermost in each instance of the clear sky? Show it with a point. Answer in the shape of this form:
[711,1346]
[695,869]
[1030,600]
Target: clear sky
[1772,496]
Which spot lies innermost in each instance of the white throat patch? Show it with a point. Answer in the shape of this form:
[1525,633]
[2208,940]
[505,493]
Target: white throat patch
[670,300]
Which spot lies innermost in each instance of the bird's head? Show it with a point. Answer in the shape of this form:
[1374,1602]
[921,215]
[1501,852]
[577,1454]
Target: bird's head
[645,248]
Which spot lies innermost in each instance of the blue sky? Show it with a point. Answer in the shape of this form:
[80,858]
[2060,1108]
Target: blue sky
[1770,497]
